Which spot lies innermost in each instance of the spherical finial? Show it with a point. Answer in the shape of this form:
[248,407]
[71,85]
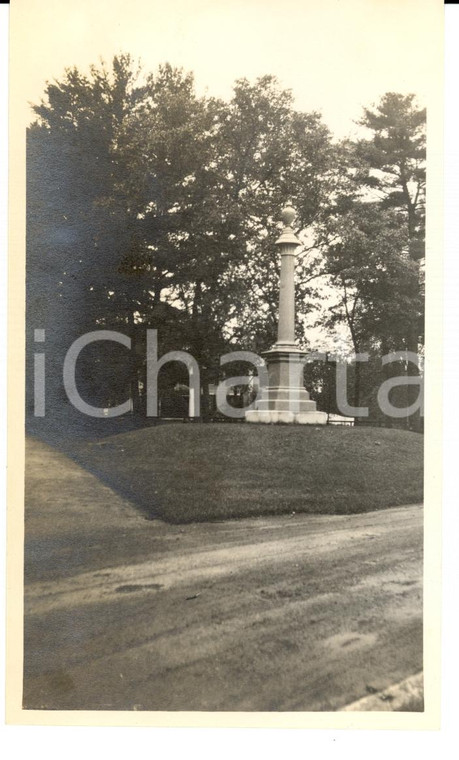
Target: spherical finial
[288,215]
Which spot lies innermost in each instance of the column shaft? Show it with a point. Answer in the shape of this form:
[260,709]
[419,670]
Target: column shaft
[286,326]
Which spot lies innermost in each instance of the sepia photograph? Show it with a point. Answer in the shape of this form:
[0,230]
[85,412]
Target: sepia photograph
[225,262]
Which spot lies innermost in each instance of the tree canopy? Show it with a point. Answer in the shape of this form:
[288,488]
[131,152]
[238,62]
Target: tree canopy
[151,206]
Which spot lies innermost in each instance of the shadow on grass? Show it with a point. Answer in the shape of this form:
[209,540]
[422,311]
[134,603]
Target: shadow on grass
[186,473]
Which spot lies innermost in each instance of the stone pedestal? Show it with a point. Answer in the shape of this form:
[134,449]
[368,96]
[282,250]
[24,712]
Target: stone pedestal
[285,400]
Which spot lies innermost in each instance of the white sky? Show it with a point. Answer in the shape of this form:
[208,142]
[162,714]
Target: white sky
[336,55]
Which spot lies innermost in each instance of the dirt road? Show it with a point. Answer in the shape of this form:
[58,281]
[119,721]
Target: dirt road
[287,613]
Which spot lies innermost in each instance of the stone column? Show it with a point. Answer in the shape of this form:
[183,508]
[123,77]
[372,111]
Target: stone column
[287,243]
[285,399]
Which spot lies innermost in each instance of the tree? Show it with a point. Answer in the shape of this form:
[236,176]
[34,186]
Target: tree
[209,179]
[393,161]
[373,231]
[127,219]
[375,280]
[152,207]
[269,153]
[73,243]
[396,154]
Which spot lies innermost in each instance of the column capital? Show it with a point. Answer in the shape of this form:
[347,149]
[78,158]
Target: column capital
[288,236]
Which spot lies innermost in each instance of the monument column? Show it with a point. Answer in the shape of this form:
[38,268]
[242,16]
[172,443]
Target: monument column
[285,399]
[288,243]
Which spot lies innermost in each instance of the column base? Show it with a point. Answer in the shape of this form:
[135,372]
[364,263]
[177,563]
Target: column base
[285,400]
[274,416]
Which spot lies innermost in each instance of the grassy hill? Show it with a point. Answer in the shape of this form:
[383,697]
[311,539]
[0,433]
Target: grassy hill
[191,473]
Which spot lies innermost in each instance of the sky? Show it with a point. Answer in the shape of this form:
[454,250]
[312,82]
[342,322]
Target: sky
[337,56]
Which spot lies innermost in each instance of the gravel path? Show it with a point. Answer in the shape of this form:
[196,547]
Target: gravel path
[285,613]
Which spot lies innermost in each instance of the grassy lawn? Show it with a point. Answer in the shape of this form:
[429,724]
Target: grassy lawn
[194,472]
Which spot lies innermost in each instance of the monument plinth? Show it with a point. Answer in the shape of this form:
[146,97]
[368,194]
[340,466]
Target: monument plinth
[286,399]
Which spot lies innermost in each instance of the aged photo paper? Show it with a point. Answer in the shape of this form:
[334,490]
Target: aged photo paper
[224,380]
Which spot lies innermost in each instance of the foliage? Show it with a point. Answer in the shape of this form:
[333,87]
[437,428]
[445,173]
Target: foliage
[149,206]
[152,207]
[373,233]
